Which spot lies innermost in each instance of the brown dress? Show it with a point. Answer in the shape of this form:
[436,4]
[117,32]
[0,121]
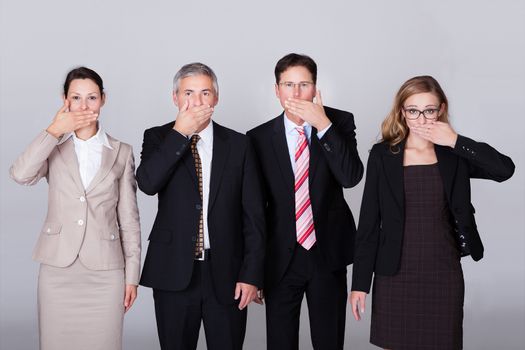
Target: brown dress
[421,307]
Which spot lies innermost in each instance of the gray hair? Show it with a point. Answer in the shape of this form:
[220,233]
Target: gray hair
[192,69]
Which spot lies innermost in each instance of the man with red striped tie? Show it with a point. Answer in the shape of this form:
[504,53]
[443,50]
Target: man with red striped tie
[308,154]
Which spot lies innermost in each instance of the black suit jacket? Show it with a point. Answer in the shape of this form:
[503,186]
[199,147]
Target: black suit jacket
[381,222]
[235,211]
[334,164]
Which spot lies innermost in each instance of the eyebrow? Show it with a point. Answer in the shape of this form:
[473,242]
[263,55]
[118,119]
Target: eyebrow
[89,93]
[203,90]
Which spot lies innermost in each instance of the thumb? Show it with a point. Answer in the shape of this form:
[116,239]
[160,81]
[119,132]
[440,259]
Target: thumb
[237,291]
[65,107]
[318,99]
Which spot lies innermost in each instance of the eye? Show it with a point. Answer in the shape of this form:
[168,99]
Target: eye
[412,111]
[304,85]
[431,111]
[187,93]
[288,84]
[206,93]
[75,98]
[93,98]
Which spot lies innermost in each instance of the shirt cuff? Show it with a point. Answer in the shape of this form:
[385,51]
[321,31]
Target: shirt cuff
[321,133]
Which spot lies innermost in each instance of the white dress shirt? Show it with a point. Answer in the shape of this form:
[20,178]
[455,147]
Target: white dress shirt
[292,135]
[89,154]
[205,150]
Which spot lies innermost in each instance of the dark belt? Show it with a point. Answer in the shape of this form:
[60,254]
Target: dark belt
[203,256]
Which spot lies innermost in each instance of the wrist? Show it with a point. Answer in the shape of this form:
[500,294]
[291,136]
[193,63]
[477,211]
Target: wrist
[454,140]
[323,123]
[53,131]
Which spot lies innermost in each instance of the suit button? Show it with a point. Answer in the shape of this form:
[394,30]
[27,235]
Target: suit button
[193,238]
[177,153]
[80,222]
[48,230]
[82,199]
[198,206]
[112,237]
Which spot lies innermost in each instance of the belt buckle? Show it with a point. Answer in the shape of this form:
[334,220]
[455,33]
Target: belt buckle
[201,256]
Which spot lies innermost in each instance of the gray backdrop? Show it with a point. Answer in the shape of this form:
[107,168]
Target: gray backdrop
[365,50]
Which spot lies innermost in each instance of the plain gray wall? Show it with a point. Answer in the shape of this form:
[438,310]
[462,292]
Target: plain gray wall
[364,49]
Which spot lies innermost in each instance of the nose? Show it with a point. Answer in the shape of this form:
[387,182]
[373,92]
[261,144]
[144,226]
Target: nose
[83,105]
[296,91]
[422,120]
[197,100]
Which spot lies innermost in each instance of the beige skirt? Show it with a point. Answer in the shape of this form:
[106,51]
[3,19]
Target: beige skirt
[80,308]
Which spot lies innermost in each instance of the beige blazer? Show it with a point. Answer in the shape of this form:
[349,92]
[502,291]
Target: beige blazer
[99,224]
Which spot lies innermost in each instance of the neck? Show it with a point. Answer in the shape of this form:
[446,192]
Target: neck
[414,141]
[87,132]
[294,119]
[203,126]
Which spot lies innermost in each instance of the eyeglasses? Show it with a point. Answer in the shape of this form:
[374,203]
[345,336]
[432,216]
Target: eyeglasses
[303,85]
[413,114]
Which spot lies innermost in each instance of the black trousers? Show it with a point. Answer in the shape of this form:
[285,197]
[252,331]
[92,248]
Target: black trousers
[326,295]
[179,315]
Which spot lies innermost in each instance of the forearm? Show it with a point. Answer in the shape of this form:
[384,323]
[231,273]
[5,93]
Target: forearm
[31,165]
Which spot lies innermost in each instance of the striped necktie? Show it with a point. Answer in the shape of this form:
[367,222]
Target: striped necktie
[304,219]
[199,244]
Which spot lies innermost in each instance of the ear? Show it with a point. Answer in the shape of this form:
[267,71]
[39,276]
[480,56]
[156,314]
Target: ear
[103,98]
[277,91]
[441,109]
[175,99]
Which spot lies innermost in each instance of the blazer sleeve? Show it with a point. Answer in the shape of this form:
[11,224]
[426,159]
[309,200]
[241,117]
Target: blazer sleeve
[32,164]
[253,220]
[339,146]
[367,236]
[158,158]
[484,161]
[129,222]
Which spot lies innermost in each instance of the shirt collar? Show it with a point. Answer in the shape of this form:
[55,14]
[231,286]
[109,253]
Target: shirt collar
[100,138]
[290,127]
[206,135]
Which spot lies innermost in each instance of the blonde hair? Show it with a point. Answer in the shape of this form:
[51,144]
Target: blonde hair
[394,128]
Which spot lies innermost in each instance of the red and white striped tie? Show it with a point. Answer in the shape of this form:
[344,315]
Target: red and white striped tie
[304,219]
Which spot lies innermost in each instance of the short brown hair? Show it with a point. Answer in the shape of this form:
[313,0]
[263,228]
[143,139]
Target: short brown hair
[295,60]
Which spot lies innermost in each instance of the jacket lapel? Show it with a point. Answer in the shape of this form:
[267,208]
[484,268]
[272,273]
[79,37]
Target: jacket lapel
[315,154]
[69,157]
[108,159]
[393,168]
[447,165]
[221,150]
[282,155]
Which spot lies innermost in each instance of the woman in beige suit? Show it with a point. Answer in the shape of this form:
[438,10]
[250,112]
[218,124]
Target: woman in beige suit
[89,246]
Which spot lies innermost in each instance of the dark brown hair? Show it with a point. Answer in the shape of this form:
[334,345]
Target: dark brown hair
[295,60]
[83,73]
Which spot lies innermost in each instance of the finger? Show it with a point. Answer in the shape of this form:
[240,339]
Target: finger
[355,312]
[127,298]
[186,105]
[362,305]
[258,301]
[318,99]
[244,301]
[237,291]
[64,107]
[132,299]
[200,109]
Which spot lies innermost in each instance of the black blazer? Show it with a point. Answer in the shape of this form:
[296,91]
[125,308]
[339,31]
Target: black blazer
[381,222]
[235,211]
[334,164]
